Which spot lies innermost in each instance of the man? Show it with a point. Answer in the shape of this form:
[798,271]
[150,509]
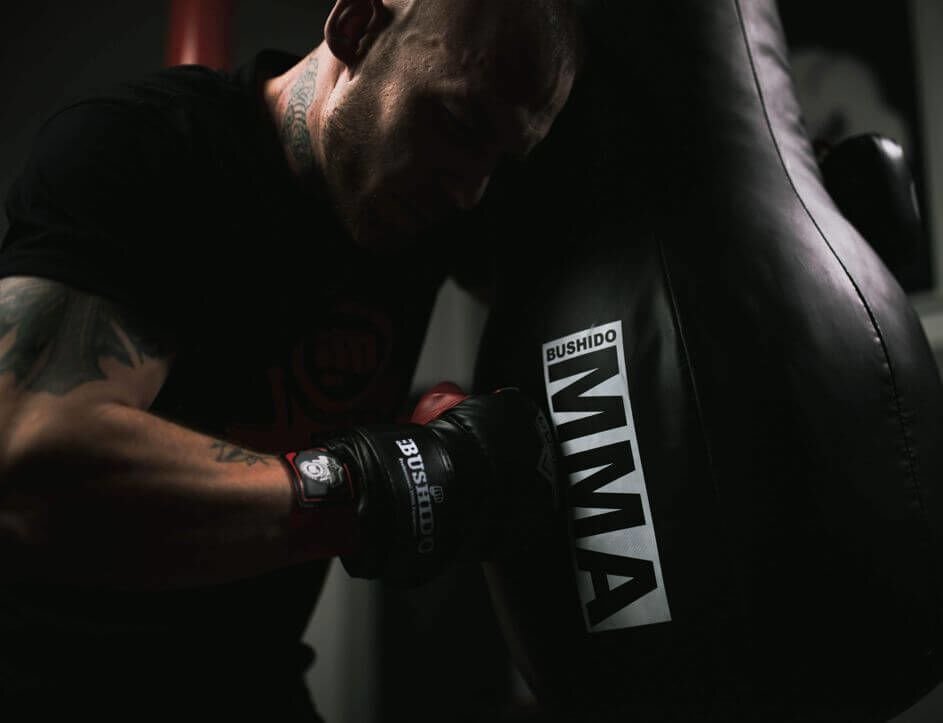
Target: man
[204,276]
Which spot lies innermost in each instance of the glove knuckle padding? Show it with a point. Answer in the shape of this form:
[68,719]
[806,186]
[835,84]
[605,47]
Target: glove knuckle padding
[521,492]
[487,421]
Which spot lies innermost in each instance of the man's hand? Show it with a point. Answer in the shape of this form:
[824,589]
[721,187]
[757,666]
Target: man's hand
[477,477]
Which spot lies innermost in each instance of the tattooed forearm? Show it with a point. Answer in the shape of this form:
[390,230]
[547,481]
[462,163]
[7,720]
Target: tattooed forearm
[228,453]
[53,337]
[295,133]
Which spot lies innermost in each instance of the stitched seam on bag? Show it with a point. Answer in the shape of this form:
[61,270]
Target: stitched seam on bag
[905,434]
[685,350]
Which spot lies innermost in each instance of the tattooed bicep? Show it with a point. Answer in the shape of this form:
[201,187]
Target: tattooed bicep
[58,340]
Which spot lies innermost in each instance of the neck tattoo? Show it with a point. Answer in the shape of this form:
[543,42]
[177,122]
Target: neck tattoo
[295,134]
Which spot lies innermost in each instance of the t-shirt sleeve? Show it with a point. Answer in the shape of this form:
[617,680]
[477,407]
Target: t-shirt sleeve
[93,204]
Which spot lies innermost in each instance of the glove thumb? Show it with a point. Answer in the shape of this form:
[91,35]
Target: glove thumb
[435,402]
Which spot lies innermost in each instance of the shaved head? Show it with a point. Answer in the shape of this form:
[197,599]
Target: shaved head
[545,30]
[436,94]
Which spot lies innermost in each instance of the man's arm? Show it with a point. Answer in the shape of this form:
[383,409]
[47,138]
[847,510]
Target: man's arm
[97,491]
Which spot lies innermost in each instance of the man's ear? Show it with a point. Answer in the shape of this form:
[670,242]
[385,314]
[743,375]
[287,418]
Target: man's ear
[352,27]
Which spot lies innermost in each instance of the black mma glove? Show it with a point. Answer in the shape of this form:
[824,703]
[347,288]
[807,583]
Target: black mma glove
[479,479]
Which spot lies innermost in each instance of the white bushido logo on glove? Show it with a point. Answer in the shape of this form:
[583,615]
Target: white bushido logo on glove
[319,477]
[320,470]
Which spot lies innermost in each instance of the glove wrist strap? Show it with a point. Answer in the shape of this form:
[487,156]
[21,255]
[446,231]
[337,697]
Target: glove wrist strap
[324,501]
[319,478]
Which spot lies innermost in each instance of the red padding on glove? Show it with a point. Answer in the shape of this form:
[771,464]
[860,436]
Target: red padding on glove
[438,400]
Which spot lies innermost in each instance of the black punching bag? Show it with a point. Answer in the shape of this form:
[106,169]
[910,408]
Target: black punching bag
[749,414]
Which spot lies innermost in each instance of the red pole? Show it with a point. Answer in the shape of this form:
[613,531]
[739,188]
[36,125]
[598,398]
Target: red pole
[200,33]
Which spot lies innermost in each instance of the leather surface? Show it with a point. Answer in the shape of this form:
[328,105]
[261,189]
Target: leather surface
[785,406]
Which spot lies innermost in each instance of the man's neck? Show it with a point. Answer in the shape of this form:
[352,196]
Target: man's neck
[294,101]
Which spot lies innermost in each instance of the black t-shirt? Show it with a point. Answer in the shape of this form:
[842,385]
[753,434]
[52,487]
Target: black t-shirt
[171,196]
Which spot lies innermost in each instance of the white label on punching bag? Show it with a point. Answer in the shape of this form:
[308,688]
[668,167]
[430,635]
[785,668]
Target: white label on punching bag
[614,548]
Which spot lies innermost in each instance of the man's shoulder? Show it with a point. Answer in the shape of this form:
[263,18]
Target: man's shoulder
[183,90]
[188,109]
[166,128]
[174,100]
